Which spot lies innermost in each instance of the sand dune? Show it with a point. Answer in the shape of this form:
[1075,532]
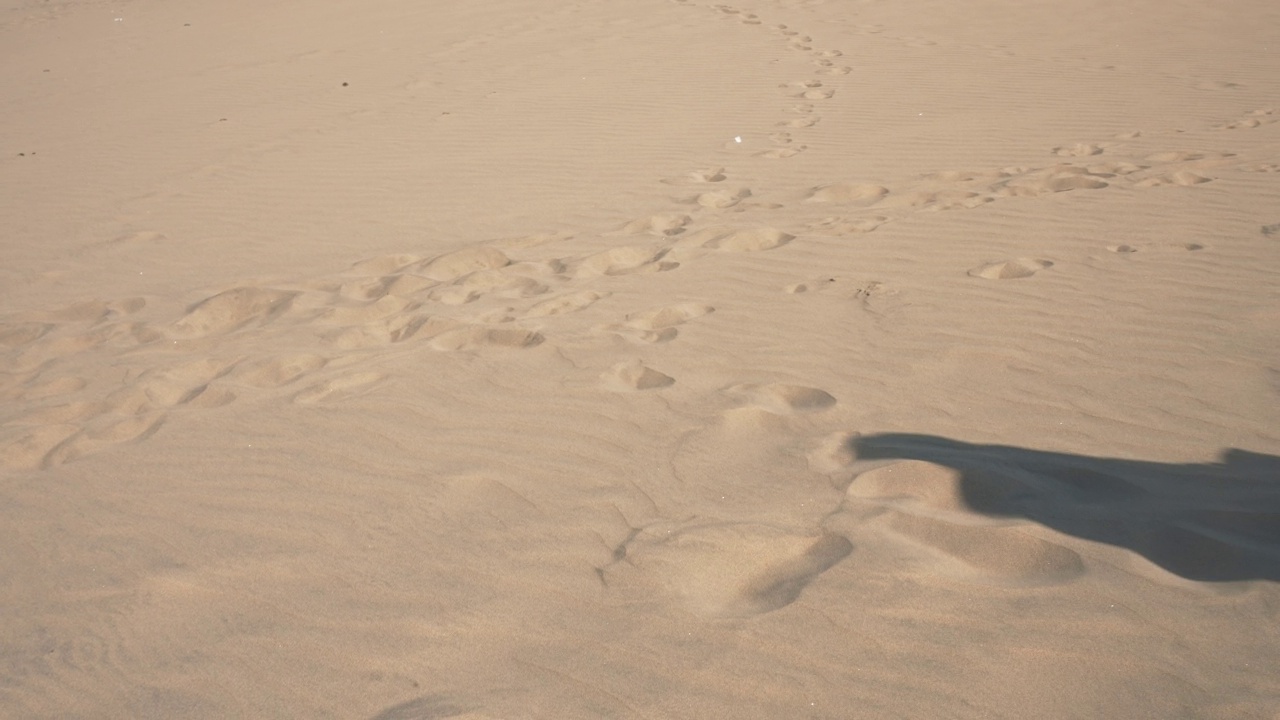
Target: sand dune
[671,359]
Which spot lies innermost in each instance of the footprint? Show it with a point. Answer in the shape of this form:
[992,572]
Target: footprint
[634,375]
[781,153]
[861,194]
[29,449]
[1183,178]
[848,226]
[387,331]
[139,237]
[1216,85]
[338,388]
[937,507]
[817,94]
[709,175]
[481,283]
[54,388]
[1077,150]
[1252,120]
[282,370]
[96,311]
[659,324]
[1010,269]
[1122,249]
[367,312]
[834,454]
[1271,230]
[385,265]
[625,260]
[937,200]
[231,310]
[369,289]
[23,333]
[738,240]
[1062,178]
[641,335]
[958,176]
[737,570]
[359,290]
[454,265]
[924,487]
[1115,168]
[169,387]
[571,302]
[801,122]
[103,434]
[669,316]
[1004,555]
[478,337]
[663,225]
[720,199]
[873,295]
[781,399]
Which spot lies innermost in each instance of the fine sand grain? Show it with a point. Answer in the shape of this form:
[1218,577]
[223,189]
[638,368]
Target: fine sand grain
[503,359]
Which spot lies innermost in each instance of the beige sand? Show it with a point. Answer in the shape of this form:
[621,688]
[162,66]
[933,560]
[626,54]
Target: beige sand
[648,359]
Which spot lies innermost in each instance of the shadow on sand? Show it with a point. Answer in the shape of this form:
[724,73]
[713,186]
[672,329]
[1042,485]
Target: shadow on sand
[1206,522]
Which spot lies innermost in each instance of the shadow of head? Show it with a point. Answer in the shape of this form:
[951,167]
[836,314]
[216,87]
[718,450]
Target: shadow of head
[1215,522]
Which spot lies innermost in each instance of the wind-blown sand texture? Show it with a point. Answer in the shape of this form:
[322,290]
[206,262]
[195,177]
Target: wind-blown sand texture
[654,359]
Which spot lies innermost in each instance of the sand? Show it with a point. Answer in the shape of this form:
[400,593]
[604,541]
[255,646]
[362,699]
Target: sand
[658,359]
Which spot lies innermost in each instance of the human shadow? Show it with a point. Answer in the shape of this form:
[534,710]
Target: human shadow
[1217,522]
